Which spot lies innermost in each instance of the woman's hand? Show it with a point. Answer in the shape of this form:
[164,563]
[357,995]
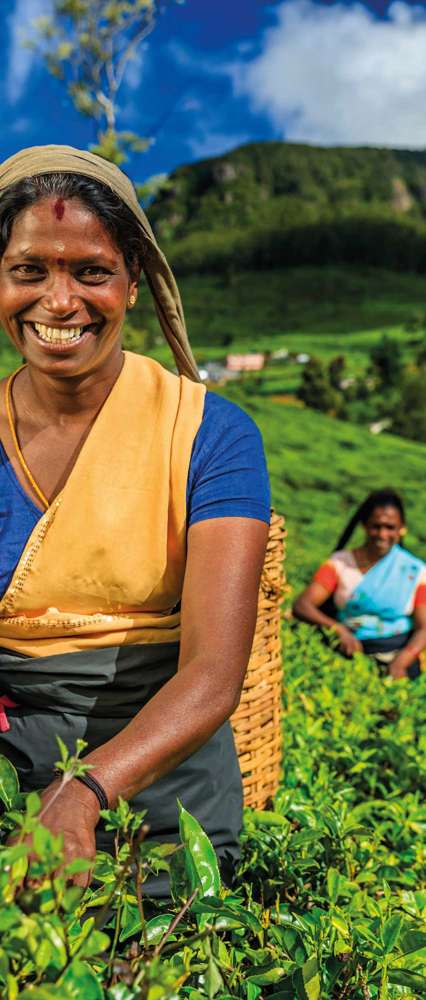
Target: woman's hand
[74,812]
[410,652]
[398,669]
[348,642]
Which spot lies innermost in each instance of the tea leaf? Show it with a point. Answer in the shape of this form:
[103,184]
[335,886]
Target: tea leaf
[200,856]
[213,981]
[391,932]
[402,977]
[307,981]
[9,784]
[80,981]
[333,884]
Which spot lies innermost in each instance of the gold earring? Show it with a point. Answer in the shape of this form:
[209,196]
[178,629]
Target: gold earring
[132,300]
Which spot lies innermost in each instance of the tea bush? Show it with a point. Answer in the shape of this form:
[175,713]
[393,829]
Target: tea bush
[330,897]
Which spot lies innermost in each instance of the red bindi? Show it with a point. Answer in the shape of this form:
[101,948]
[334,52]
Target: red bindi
[59,208]
[60,262]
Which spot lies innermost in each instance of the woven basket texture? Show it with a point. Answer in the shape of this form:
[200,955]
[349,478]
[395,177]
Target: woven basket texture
[257,720]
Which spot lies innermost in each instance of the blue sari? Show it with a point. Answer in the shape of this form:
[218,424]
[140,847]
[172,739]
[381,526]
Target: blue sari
[380,606]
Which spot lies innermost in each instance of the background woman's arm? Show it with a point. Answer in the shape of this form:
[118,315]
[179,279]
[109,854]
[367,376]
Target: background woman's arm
[414,647]
[307,607]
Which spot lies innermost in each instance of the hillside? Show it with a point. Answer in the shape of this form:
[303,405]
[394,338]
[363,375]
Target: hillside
[321,311]
[283,306]
[270,179]
[275,203]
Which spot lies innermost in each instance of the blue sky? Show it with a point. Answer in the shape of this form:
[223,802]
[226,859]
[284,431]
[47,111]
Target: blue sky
[218,73]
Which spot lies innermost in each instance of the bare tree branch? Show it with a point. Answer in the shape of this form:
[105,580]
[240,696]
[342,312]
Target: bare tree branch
[89,44]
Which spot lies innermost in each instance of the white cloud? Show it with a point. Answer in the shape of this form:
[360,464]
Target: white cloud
[337,75]
[22,60]
[207,135]
[195,61]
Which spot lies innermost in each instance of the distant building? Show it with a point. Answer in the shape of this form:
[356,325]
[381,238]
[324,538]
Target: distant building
[280,355]
[380,425]
[245,362]
[214,371]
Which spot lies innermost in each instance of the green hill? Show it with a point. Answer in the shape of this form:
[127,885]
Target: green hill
[274,179]
[278,203]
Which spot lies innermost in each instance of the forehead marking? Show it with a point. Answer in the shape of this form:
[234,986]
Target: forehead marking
[59,208]
[60,262]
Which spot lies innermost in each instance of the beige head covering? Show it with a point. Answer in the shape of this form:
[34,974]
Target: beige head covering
[66,159]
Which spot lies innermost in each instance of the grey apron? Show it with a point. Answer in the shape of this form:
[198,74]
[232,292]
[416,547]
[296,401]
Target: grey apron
[93,695]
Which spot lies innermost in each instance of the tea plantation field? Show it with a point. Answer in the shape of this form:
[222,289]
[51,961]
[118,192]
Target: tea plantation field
[329,901]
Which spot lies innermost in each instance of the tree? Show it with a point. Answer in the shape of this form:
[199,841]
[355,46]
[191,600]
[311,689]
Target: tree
[421,354]
[316,390]
[387,363]
[410,414]
[336,370]
[89,44]
[416,322]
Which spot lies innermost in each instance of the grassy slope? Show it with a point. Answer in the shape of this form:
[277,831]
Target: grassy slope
[322,311]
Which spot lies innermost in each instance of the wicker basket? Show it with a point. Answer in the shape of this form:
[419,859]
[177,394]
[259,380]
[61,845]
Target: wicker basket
[257,720]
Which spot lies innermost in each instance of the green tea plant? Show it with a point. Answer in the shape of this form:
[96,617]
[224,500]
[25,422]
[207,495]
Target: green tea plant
[329,900]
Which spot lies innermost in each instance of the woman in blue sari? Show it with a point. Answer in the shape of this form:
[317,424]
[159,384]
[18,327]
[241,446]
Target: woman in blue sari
[378,590]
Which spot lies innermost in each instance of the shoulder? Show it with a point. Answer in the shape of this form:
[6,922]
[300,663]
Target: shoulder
[342,559]
[220,413]
[227,473]
[226,428]
[335,569]
[336,564]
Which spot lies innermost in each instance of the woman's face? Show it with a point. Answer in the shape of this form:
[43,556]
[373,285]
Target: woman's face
[383,528]
[64,288]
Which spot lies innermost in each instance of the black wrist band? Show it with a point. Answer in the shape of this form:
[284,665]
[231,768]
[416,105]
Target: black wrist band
[94,785]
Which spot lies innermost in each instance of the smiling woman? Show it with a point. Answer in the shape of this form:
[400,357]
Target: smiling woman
[83,291]
[378,589]
[134,520]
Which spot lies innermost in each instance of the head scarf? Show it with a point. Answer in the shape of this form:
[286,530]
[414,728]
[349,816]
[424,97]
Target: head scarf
[163,287]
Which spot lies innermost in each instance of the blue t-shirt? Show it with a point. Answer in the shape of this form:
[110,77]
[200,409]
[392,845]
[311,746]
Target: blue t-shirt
[227,478]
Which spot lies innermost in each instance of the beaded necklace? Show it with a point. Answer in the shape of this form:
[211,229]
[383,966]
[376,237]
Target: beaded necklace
[20,456]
